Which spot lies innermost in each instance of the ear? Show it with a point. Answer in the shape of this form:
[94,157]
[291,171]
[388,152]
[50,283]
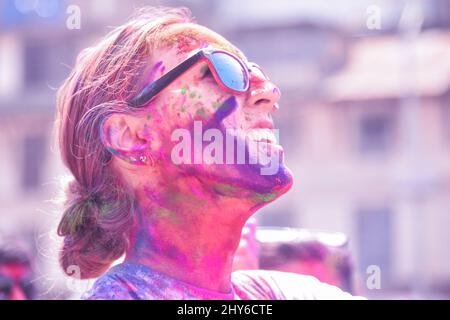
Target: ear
[122,134]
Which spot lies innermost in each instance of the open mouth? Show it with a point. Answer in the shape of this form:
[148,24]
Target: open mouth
[263,135]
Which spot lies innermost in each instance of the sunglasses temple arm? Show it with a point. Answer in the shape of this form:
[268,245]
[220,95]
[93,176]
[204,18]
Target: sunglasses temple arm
[157,86]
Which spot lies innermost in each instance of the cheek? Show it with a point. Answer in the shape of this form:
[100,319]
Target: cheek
[235,121]
[194,101]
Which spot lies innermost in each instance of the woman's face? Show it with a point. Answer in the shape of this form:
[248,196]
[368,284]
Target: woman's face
[217,123]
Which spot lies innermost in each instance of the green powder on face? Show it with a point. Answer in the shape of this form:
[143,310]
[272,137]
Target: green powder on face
[168,214]
[225,189]
[216,105]
[180,198]
[183,90]
[265,197]
[201,112]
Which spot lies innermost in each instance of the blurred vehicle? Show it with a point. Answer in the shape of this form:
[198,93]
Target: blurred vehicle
[15,273]
[321,254]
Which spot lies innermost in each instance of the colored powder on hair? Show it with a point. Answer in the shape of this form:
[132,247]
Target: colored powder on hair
[106,208]
[152,74]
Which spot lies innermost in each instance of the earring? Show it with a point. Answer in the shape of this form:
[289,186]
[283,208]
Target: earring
[143,159]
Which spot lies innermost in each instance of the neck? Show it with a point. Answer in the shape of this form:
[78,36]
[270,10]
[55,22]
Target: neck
[189,236]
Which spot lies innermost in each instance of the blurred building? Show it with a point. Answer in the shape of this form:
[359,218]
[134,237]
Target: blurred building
[375,158]
[365,121]
[367,115]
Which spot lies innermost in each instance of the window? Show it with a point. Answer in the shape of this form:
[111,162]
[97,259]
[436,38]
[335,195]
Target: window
[374,240]
[34,147]
[375,133]
[46,60]
[446,119]
[36,63]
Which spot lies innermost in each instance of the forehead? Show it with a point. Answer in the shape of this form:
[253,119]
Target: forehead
[187,37]
[176,43]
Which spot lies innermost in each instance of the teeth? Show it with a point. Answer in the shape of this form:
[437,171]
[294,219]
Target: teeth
[262,135]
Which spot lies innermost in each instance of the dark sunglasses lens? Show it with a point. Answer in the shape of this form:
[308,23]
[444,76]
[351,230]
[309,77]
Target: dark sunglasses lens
[230,71]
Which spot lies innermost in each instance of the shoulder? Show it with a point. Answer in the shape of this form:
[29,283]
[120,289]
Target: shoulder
[113,285]
[266,284]
[108,287]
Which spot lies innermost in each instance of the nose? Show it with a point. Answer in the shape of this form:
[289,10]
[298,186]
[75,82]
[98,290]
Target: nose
[263,93]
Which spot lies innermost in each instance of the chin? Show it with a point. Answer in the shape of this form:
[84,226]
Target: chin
[262,188]
[274,188]
[245,181]
[260,183]
[275,176]
[278,183]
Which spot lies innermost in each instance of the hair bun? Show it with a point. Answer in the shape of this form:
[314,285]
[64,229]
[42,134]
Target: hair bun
[81,194]
[80,212]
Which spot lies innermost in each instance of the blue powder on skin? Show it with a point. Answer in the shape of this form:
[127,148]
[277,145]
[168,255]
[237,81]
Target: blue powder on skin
[226,109]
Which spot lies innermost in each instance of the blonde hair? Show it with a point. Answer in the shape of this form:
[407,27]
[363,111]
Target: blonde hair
[99,210]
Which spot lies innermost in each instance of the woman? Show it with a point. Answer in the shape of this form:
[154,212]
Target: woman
[141,189]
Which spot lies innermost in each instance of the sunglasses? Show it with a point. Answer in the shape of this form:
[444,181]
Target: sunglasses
[231,73]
